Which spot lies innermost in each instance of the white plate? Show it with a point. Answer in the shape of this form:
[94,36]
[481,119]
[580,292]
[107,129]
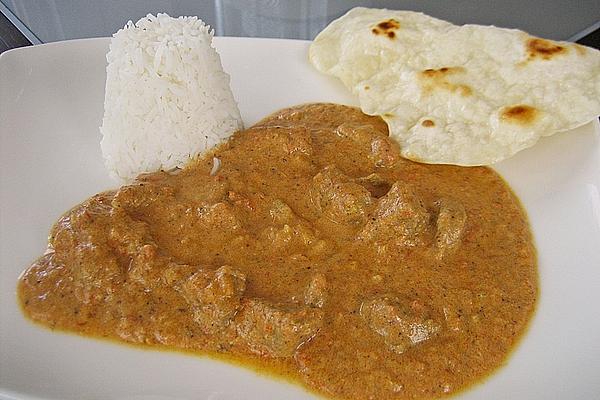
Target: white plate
[50,109]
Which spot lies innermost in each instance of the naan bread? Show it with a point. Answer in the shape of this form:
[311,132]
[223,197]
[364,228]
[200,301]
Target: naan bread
[466,95]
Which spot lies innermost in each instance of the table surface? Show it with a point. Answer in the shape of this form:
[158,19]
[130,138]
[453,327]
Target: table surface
[40,21]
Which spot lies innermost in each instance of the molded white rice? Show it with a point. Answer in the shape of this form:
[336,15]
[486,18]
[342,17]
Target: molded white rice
[167,98]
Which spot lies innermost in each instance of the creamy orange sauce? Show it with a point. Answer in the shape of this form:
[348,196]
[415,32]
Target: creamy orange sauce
[311,249]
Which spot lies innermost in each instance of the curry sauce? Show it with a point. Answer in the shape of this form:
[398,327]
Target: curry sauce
[305,243]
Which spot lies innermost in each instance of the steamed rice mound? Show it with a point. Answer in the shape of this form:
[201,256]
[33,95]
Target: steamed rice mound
[167,98]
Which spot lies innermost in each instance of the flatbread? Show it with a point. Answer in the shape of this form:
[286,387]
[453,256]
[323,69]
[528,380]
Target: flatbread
[465,95]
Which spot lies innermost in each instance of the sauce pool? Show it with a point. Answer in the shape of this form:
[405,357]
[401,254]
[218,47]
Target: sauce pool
[312,251]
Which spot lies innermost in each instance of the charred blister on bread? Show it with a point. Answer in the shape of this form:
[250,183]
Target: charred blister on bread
[386,28]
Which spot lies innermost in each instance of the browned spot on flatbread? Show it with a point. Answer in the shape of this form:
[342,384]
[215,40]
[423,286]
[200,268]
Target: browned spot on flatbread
[438,79]
[390,24]
[462,89]
[520,114]
[581,50]
[444,71]
[544,49]
[427,123]
[386,28]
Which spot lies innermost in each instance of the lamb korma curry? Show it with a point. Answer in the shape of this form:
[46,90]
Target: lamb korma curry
[307,245]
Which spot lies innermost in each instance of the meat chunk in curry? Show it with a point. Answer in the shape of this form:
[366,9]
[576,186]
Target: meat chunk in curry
[400,217]
[401,324]
[274,331]
[339,199]
[313,250]
[215,297]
